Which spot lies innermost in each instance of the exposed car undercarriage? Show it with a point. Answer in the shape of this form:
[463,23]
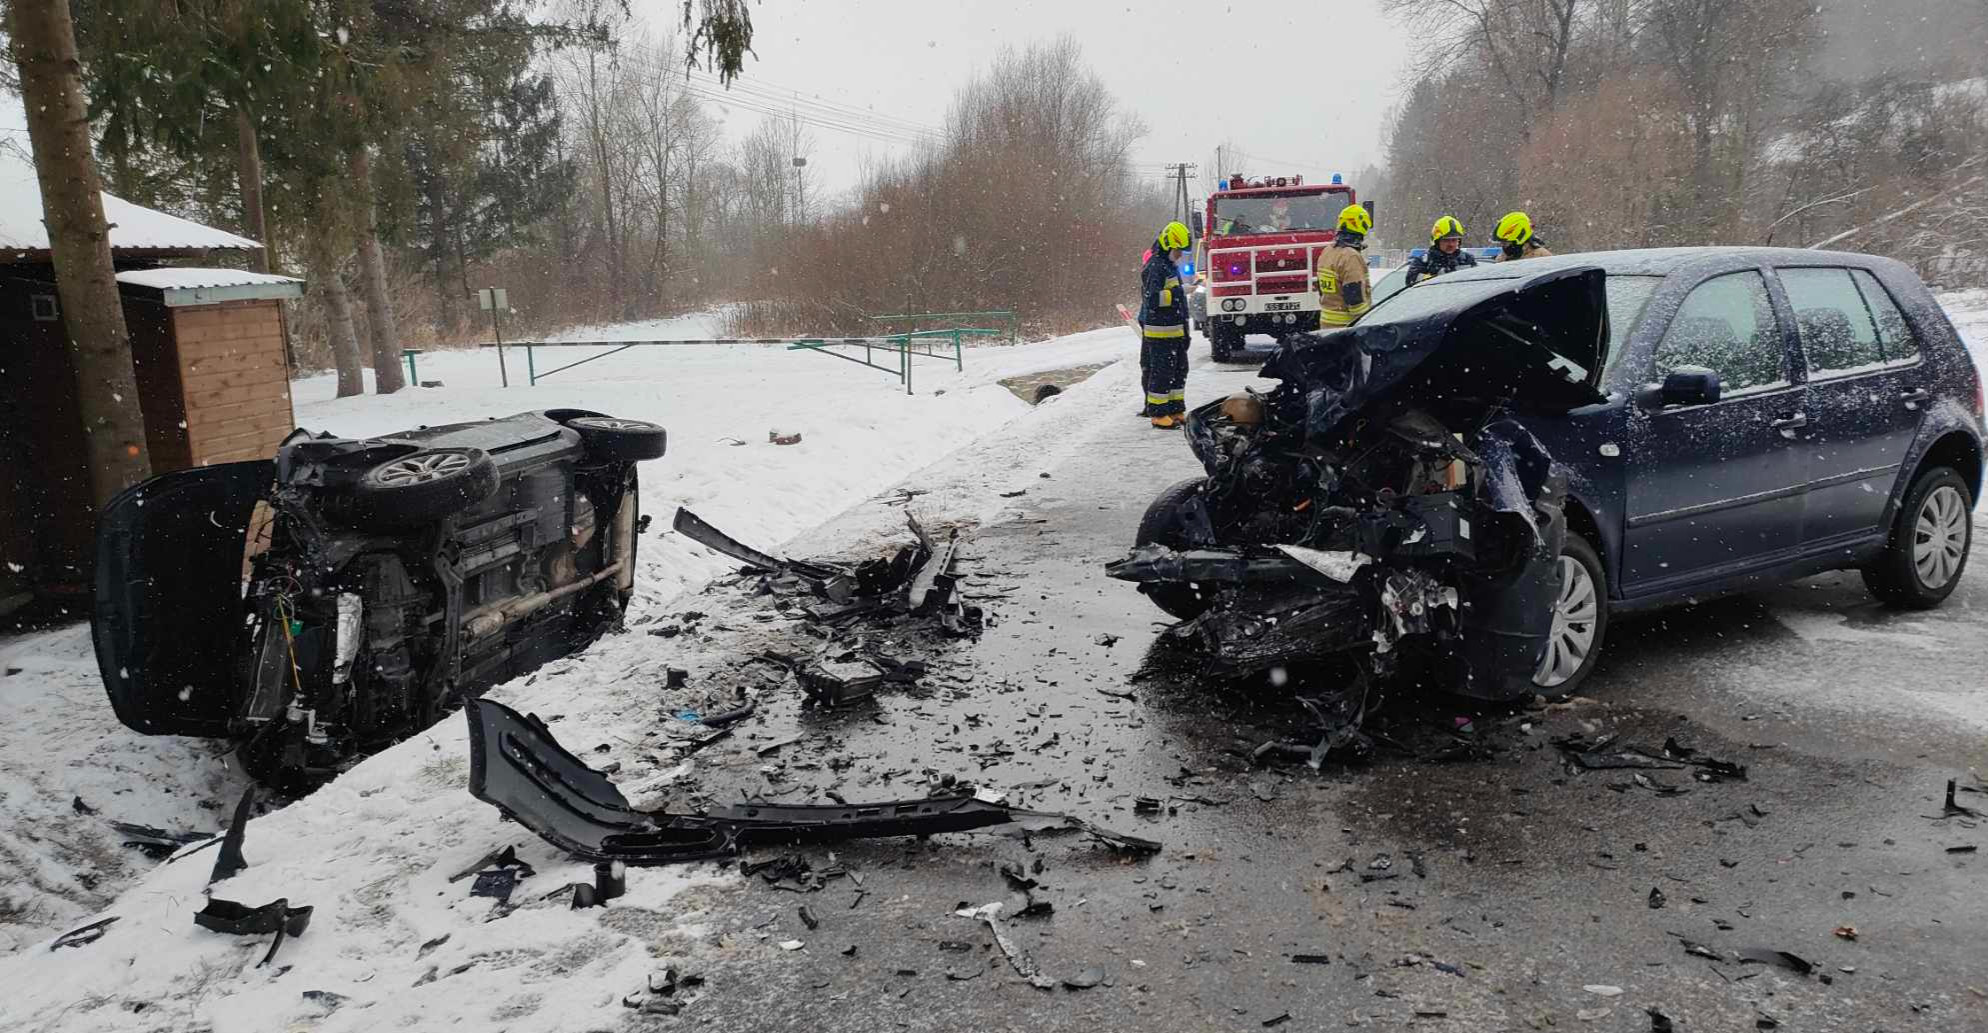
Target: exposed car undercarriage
[1384,499]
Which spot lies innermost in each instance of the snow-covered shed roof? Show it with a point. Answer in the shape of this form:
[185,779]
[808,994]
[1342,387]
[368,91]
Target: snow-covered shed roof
[184,286]
[132,228]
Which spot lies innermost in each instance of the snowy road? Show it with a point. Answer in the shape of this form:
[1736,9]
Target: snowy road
[1534,880]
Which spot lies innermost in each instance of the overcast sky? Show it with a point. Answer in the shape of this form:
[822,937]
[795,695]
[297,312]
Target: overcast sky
[1301,87]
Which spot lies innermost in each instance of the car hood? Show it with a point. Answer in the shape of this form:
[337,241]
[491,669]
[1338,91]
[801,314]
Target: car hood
[1458,349]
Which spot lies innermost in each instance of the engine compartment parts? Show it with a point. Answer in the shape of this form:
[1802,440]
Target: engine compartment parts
[519,768]
[1385,499]
[324,605]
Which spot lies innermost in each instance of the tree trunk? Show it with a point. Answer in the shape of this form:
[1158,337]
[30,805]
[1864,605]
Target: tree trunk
[44,42]
[387,376]
[325,276]
[248,174]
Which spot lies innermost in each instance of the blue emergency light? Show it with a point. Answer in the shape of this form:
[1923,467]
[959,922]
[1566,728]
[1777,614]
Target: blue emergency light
[1336,181]
[1187,269]
[1221,184]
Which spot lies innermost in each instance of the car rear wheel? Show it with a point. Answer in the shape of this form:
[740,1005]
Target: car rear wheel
[422,487]
[1161,526]
[1930,538]
[1580,620]
[620,441]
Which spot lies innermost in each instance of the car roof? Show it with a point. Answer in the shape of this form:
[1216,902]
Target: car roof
[1663,261]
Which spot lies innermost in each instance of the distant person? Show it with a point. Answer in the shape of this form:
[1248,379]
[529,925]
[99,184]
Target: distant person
[1280,216]
[1445,254]
[1163,329]
[1515,235]
[1344,292]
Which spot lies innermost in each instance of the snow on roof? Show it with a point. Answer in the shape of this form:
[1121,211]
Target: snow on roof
[132,228]
[191,279]
[188,286]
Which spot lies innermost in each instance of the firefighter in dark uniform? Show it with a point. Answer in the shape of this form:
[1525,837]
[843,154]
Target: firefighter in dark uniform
[1445,254]
[1344,292]
[1515,235]
[1163,329]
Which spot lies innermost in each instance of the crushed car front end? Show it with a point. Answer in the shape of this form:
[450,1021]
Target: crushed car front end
[1386,498]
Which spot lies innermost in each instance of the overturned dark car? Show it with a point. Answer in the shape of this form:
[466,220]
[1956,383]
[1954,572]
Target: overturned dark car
[1469,482]
[1385,493]
[322,605]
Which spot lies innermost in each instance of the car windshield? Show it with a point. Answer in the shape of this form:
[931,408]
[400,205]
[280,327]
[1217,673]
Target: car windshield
[1276,214]
[1627,295]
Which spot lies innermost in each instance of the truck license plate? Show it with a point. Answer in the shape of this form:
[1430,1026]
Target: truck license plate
[1280,306]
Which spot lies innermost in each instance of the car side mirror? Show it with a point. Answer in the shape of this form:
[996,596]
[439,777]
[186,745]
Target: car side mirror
[1194,222]
[1688,386]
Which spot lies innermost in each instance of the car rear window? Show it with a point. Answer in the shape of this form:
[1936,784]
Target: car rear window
[1839,335]
[1895,335]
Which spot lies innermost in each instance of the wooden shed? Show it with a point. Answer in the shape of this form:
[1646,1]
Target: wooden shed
[208,348]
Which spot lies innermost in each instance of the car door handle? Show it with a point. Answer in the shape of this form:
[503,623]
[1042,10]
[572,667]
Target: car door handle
[1789,421]
[1911,398]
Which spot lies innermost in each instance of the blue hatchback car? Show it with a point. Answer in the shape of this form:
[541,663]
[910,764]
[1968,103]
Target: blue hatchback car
[1717,419]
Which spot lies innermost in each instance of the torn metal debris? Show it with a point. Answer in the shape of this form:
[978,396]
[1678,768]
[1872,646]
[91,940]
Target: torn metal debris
[917,580]
[277,916]
[519,768]
[83,934]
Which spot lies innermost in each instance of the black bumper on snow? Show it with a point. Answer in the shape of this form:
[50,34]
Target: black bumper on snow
[519,768]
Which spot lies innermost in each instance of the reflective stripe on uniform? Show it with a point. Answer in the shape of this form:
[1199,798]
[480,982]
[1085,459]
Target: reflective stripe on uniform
[1153,399]
[1166,331]
[1176,396]
[1335,317]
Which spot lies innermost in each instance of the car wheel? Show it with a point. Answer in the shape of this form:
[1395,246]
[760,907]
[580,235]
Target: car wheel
[1223,341]
[422,487]
[1580,620]
[620,441]
[1930,538]
[1161,526]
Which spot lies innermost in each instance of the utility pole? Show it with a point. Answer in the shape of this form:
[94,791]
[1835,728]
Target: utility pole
[1181,173]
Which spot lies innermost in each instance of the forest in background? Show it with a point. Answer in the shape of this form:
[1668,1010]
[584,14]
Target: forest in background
[1648,123]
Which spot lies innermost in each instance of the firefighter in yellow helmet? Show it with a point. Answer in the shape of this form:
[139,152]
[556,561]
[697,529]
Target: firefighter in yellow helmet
[1515,235]
[1445,254]
[1344,292]
[1163,329]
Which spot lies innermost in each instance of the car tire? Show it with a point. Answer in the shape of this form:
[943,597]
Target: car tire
[1224,340]
[1161,526]
[1580,620]
[1926,552]
[620,441]
[422,487]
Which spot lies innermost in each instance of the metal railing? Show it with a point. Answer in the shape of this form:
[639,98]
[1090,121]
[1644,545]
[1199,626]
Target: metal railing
[905,347]
[1008,317]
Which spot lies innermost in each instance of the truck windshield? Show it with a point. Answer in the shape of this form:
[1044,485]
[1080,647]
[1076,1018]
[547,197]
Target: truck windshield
[1276,214]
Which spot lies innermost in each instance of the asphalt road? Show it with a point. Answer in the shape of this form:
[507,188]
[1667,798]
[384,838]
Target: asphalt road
[1509,891]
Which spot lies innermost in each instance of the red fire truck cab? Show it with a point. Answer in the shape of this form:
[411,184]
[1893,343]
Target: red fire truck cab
[1258,255]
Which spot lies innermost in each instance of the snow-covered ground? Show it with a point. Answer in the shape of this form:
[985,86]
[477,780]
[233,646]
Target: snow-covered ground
[860,434]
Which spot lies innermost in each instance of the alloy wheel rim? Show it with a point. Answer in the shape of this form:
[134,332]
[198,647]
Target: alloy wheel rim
[1572,637]
[421,469]
[1939,537]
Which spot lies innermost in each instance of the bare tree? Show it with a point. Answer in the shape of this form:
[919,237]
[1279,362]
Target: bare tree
[1526,45]
[387,377]
[44,42]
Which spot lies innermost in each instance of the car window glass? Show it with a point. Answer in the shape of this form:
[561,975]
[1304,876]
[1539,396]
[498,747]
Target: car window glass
[1894,334]
[1727,325]
[1627,295]
[1838,335]
[1390,284]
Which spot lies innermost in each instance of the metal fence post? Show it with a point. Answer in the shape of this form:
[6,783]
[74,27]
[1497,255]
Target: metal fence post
[906,342]
[959,360]
[531,368]
[411,378]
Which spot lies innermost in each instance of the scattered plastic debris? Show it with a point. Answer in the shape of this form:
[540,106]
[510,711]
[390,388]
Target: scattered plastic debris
[1603,990]
[277,916]
[230,860]
[82,934]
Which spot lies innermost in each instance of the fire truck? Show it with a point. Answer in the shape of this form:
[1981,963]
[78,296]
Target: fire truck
[1259,242]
